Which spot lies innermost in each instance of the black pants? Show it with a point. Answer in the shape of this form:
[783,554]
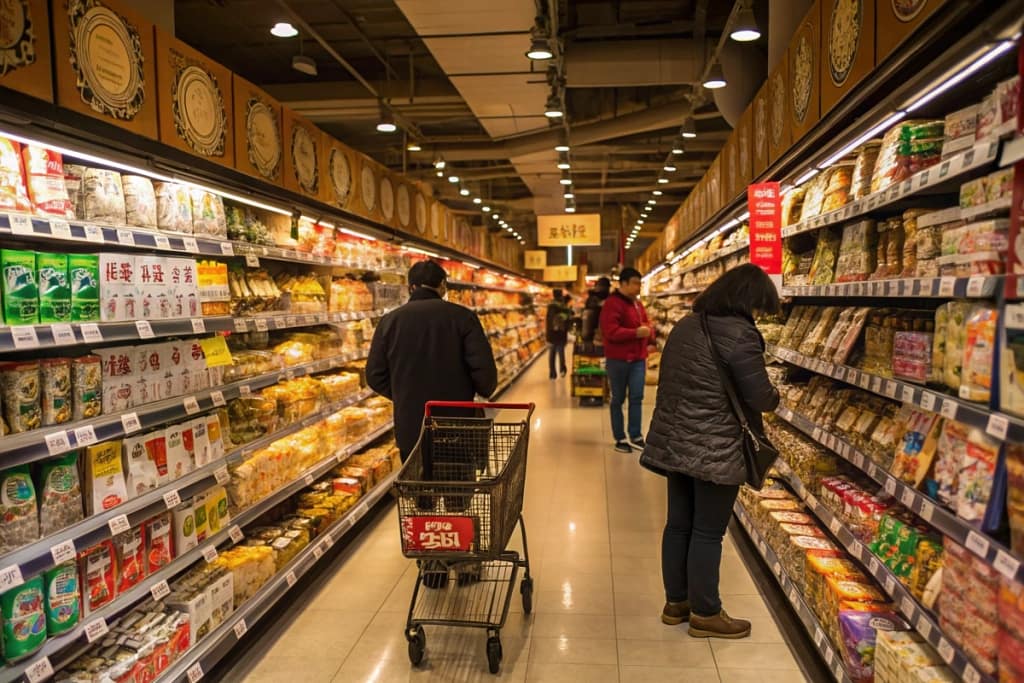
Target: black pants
[552,350]
[691,546]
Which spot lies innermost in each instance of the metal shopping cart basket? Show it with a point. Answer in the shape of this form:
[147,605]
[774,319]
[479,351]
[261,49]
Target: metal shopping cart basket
[460,497]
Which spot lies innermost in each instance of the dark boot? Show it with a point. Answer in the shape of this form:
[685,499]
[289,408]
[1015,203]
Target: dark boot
[719,626]
[675,613]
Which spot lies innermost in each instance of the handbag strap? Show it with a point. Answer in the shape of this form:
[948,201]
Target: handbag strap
[730,390]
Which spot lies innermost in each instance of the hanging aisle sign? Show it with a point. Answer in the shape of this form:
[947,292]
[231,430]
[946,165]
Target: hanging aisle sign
[536,260]
[560,274]
[563,230]
[764,203]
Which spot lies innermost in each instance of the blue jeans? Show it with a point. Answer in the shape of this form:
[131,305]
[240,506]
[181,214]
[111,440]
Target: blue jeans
[553,350]
[626,375]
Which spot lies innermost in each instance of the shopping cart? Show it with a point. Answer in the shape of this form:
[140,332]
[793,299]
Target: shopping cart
[460,497]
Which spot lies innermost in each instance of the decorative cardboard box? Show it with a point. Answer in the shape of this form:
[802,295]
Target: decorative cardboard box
[421,211]
[847,47]
[105,60]
[25,48]
[778,111]
[404,193]
[303,172]
[803,58]
[896,20]
[339,186]
[259,141]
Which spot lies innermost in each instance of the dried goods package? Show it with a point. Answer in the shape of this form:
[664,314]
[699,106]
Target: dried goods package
[54,288]
[24,620]
[84,280]
[104,477]
[21,387]
[60,495]
[103,197]
[20,523]
[139,201]
[20,287]
[13,196]
[173,207]
[44,171]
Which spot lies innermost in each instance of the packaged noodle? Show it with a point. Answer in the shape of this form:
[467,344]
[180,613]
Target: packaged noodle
[56,383]
[44,171]
[173,207]
[139,201]
[87,387]
[74,176]
[13,196]
[103,197]
[19,521]
[60,496]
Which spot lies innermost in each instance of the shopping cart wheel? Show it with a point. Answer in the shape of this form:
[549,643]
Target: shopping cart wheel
[417,645]
[494,654]
[526,590]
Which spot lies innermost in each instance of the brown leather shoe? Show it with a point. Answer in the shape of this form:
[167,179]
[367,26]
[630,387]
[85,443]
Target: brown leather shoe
[675,613]
[719,626]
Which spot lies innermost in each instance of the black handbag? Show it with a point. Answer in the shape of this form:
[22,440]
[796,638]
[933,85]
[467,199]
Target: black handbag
[758,452]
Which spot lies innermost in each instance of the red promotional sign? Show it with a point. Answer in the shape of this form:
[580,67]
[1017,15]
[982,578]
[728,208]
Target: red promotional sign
[764,201]
[438,534]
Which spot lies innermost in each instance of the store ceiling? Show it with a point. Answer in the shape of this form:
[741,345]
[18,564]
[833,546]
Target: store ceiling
[456,73]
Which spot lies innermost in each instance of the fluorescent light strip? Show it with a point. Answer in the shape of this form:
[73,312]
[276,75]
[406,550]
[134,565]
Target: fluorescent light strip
[806,176]
[329,226]
[421,251]
[979,62]
[360,235]
[470,264]
[884,125]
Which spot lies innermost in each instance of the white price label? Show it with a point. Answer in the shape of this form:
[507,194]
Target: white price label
[227,248]
[172,499]
[946,650]
[876,384]
[198,326]
[245,390]
[858,460]
[977,544]
[91,333]
[777,568]
[63,334]
[39,670]
[309,479]
[907,497]
[907,607]
[57,443]
[64,552]
[971,674]
[863,380]
[119,525]
[24,337]
[252,260]
[793,596]
[240,628]
[816,434]
[948,409]
[130,423]
[190,244]
[998,426]
[819,636]
[60,229]
[975,286]
[126,237]
[10,577]
[97,628]
[907,394]
[290,579]
[235,534]
[890,584]
[874,565]
[835,526]
[830,656]
[928,401]
[191,405]
[261,324]
[947,286]
[210,553]
[924,627]
[195,673]
[218,398]
[890,486]
[144,328]
[160,590]
[20,224]
[94,233]
[890,388]
[162,242]
[926,510]
[1006,564]
[241,326]
[85,436]
[318,552]
[221,475]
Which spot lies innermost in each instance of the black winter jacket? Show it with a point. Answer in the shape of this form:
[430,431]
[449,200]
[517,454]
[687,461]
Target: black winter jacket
[429,350]
[694,431]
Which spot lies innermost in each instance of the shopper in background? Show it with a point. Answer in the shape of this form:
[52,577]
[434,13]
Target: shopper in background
[695,441]
[590,327]
[556,331]
[627,333]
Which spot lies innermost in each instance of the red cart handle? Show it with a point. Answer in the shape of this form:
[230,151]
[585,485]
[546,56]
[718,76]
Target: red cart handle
[472,404]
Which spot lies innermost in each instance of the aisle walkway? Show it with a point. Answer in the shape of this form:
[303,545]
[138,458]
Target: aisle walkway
[594,519]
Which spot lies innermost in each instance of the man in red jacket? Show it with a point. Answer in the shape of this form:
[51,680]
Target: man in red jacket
[627,334]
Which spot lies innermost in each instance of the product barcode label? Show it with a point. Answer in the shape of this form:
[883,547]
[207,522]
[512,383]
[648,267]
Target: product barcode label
[162,242]
[172,499]
[928,401]
[63,334]
[948,409]
[57,443]
[290,578]
[235,534]
[946,650]
[198,326]
[130,423]
[977,544]
[1006,564]
[94,233]
[924,627]
[218,398]
[10,577]
[221,475]
[195,673]
[39,670]
[20,224]
[191,405]
[210,553]
[240,628]
[85,436]
[190,244]
[91,333]
[160,590]
[64,552]
[119,524]
[261,324]
[60,229]
[998,426]
[97,628]
[252,260]
[126,237]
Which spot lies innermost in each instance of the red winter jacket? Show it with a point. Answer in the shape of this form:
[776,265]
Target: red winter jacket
[620,317]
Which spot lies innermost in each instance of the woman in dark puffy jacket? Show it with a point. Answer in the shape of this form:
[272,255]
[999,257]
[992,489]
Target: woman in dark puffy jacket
[695,441]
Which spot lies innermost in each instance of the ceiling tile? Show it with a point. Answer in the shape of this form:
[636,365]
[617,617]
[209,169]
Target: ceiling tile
[468,16]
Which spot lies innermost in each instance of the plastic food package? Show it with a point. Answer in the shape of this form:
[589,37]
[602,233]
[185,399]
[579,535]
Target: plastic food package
[857,252]
[13,196]
[87,387]
[20,287]
[952,450]
[56,383]
[917,447]
[173,207]
[159,535]
[103,197]
[823,270]
[54,288]
[84,280]
[131,558]
[24,620]
[104,477]
[19,521]
[74,176]
[979,351]
[20,383]
[956,341]
[976,471]
[139,201]
[140,470]
[60,495]
[98,569]
[208,217]
[792,206]
[44,171]
[63,599]
[863,167]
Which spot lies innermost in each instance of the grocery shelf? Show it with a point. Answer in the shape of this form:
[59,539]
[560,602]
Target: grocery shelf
[719,255]
[60,335]
[996,424]
[921,619]
[53,646]
[678,292]
[45,442]
[462,284]
[39,555]
[930,180]
[194,664]
[964,533]
[522,368]
[976,287]
[794,592]
[1013,151]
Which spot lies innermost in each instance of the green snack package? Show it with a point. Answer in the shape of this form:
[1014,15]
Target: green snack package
[54,290]
[20,293]
[63,602]
[24,620]
[84,277]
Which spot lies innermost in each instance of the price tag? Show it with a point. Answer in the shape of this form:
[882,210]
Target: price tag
[198,326]
[858,460]
[210,553]
[977,544]
[91,333]
[777,568]
[946,650]
[20,224]
[793,596]
[126,237]
[890,388]
[926,510]
[928,401]
[830,656]
[64,552]
[39,670]
[94,233]
[971,674]
[60,229]
[130,423]
[172,499]
[318,552]
[63,334]
[160,590]
[245,390]
[218,398]
[837,671]
[835,526]
[1006,564]
[261,324]
[819,636]
[975,285]
[97,628]
[57,443]
[221,475]
[874,565]
[24,337]
[144,328]
[252,260]
[907,497]
[997,426]
[290,579]
[235,534]
[162,242]
[816,435]
[944,169]
[948,409]
[947,286]
[890,486]
[10,577]
[874,471]
[85,436]
[907,607]
[890,584]
[227,249]
[191,405]
[890,288]
[190,244]
[195,673]
[922,178]
[924,627]
[309,479]
[907,394]
[967,159]
[876,384]
[240,628]
[119,525]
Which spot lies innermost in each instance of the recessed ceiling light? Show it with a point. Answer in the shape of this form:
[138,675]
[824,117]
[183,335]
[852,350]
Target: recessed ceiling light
[283,29]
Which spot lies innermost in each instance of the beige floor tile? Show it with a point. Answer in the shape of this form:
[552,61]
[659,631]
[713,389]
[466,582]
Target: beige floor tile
[636,565]
[746,655]
[573,602]
[648,627]
[760,676]
[651,674]
[322,633]
[560,672]
[276,669]
[632,603]
[745,606]
[689,654]
[558,625]
[573,651]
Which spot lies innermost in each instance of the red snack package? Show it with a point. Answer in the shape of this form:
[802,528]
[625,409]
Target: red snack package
[13,196]
[97,566]
[131,558]
[44,173]
[159,542]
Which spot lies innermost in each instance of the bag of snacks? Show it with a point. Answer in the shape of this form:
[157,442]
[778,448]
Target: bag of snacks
[979,350]
[63,601]
[60,499]
[24,620]
[98,569]
[20,382]
[44,171]
[19,520]
[103,197]
[139,201]
[13,196]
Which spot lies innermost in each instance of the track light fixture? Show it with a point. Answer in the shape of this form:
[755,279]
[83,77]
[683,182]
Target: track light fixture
[563,145]
[662,181]
[568,194]
[689,129]
[678,149]
[553,107]
[716,77]
[565,179]
[283,29]
[657,193]
[670,168]
[387,121]
[563,161]
[745,29]
[413,146]
[439,162]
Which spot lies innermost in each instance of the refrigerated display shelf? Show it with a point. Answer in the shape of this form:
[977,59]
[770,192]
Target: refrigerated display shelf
[975,287]
[462,284]
[921,619]
[997,425]
[946,174]
[502,386]
[154,584]
[46,442]
[41,555]
[794,592]
[987,549]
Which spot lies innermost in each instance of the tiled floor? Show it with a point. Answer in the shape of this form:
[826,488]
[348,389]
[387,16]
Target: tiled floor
[594,519]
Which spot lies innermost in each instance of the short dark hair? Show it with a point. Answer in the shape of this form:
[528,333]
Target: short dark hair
[603,283]
[556,292]
[741,291]
[628,274]
[427,273]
